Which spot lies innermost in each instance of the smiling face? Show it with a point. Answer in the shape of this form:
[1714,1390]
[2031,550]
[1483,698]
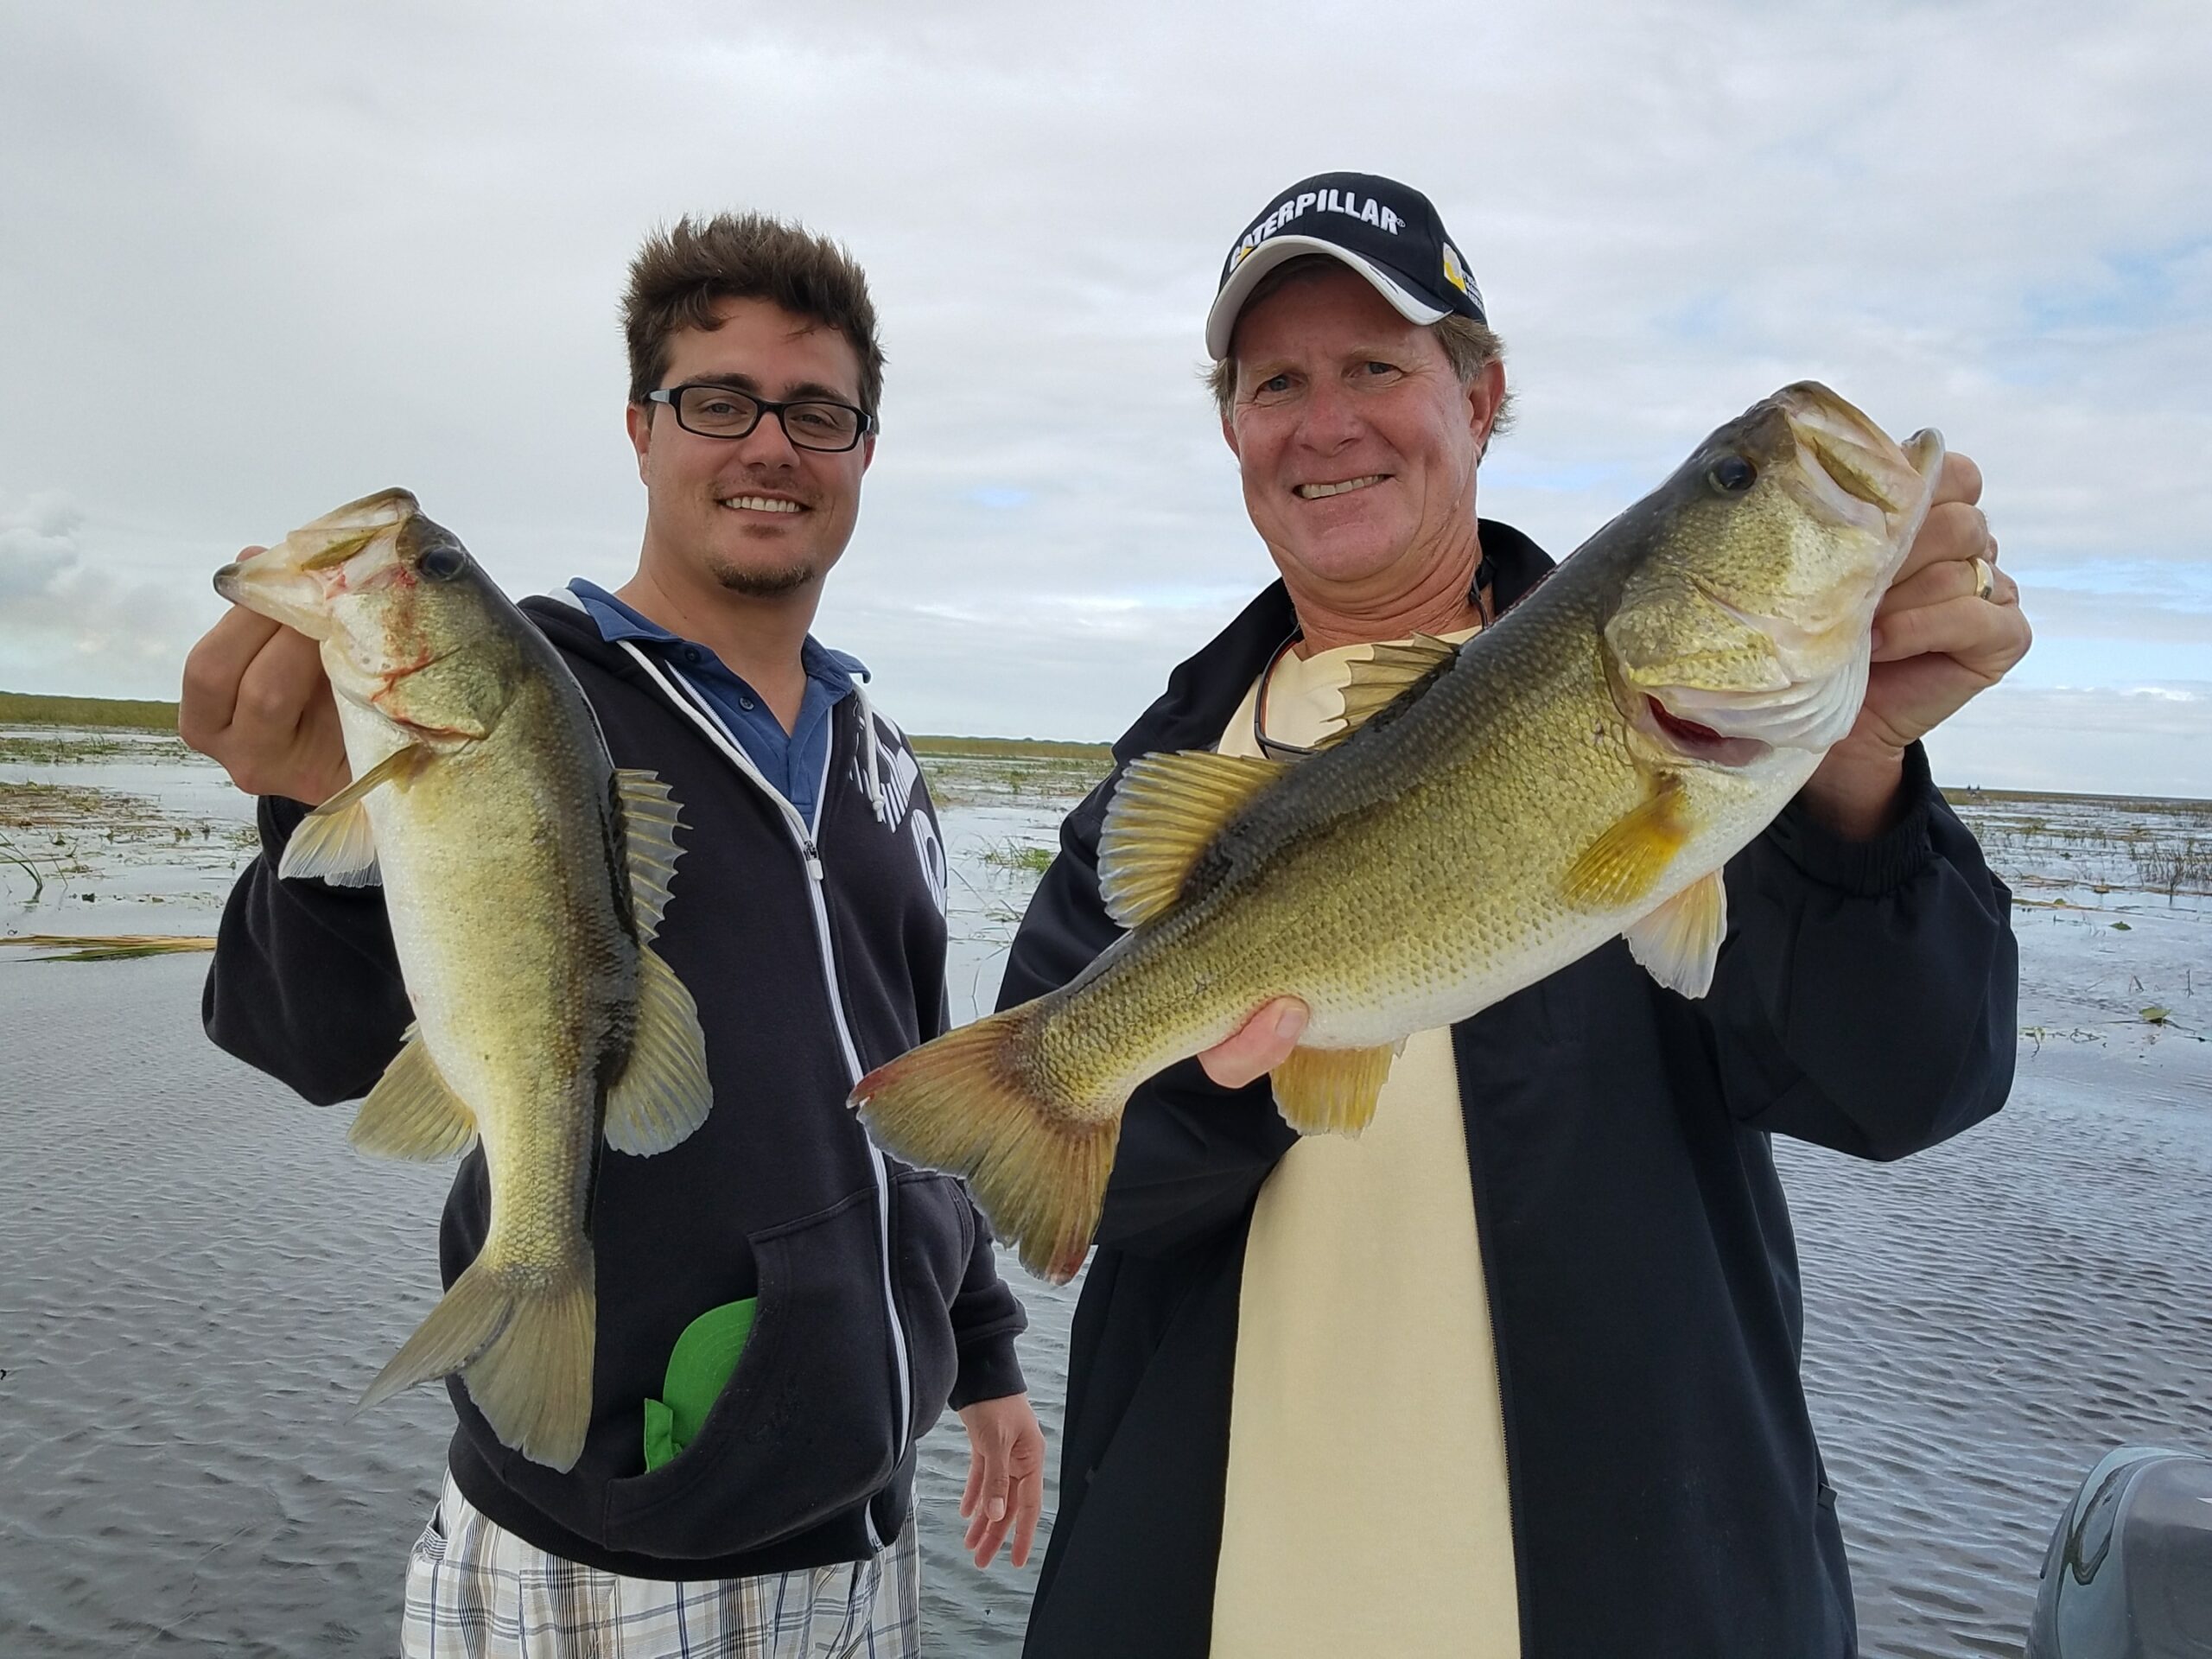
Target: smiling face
[753,515]
[1357,442]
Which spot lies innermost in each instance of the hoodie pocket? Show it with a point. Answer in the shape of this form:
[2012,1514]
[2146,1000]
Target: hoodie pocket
[933,1232]
[803,1428]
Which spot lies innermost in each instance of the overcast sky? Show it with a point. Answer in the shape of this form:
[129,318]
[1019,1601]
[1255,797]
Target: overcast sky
[257,260]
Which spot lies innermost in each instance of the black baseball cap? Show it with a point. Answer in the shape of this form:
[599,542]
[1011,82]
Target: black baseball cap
[1385,230]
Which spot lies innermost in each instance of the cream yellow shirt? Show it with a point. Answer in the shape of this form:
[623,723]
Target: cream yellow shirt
[1367,1511]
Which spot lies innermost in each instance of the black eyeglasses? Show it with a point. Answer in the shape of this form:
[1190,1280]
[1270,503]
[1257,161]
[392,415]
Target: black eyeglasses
[712,411]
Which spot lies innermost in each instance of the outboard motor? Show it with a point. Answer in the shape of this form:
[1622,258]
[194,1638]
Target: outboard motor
[2129,1572]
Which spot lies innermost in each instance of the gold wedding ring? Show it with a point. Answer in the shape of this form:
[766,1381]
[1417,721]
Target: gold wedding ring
[1985,577]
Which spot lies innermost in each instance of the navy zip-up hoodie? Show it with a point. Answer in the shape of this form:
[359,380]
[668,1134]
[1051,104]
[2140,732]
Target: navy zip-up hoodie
[1668,1496]
[879,1300]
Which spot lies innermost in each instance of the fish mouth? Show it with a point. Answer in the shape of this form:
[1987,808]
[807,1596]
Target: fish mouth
[294,582]
[1695,742]
[1861,475]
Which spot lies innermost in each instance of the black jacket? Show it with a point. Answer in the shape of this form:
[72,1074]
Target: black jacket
[1668,1498]
[877,1296]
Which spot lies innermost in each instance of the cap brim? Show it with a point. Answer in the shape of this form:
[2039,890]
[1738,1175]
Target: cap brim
[1221,322]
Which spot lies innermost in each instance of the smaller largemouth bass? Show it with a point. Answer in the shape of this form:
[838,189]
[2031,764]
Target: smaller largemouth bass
[525,877]
[1579,772]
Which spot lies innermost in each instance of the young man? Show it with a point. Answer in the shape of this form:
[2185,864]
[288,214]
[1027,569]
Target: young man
[808,919]
[1516,1372]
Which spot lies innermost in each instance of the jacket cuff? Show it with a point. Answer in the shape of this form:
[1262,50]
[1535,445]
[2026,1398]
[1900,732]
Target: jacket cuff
[277,817]
[989,1370]
[1866,868]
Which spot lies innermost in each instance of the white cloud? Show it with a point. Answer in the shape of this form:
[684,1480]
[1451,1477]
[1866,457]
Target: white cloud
[38,545]
[76,624]
[264,258]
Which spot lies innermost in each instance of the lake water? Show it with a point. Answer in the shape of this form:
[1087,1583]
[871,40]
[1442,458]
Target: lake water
[197,1276]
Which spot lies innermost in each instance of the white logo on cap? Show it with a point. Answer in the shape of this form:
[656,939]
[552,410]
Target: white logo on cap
[1367,211]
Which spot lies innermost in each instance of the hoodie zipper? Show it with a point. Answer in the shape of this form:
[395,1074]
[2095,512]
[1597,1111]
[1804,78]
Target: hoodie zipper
[704,716]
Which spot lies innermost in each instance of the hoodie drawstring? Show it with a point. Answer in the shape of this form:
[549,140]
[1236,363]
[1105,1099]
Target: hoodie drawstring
[871,756]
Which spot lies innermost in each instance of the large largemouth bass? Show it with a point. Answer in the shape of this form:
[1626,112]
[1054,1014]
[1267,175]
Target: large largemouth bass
[1579,771]
[525,877]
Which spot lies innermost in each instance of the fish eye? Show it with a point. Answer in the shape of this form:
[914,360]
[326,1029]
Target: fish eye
[1732,475]
[442,562]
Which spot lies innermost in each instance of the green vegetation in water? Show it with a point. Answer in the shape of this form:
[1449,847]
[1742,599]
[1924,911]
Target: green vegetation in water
[28,709]
[57,833]
[94,947]
[1020,857]
[982,780]
[72,806]
[1015,748]
[79,747]
[2105,843]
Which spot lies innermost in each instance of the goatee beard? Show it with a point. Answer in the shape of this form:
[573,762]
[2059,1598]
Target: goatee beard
[761,584]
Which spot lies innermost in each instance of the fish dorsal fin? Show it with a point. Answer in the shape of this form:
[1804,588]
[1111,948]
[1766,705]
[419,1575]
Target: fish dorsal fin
[411,1113]
[663,1093]
[1627,861]
[334,842]
[1393,673]
[649,821]
[1331,1090]
[1166,811]
[1680,941]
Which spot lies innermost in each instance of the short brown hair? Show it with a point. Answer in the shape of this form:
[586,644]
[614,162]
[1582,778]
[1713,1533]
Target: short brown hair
[680,272]
[1469,345]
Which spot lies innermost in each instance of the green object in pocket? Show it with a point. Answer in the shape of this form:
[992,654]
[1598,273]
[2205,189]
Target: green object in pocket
[700,1367]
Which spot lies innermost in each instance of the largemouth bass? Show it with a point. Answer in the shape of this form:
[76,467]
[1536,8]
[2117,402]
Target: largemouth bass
[1579,771]
[525,877]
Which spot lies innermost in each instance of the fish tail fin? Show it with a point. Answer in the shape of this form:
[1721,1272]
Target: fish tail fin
[972,1103]
[522,1341]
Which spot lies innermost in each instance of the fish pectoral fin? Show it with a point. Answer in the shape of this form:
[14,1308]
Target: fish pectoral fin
[1680,941]
[1627,861]
[663,1094]
[411,1113]
[1331,1090]
[334,842]
[1391,674]
[337,847]
[650,816]
[1166,811]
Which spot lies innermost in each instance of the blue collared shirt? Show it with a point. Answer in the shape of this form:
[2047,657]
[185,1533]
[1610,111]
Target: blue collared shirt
[794,761]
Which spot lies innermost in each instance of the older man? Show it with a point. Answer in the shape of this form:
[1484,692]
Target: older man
[1516,1372]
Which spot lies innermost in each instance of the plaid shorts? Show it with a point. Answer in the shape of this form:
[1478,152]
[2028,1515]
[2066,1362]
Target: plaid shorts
[475,1591]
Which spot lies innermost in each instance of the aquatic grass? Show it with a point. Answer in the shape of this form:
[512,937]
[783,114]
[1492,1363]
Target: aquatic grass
[1014,748]
[30,709]
[77,806]
[76,748]
[986,779]
[1021,857]
[28,863]
[2171,870]
[106,947]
